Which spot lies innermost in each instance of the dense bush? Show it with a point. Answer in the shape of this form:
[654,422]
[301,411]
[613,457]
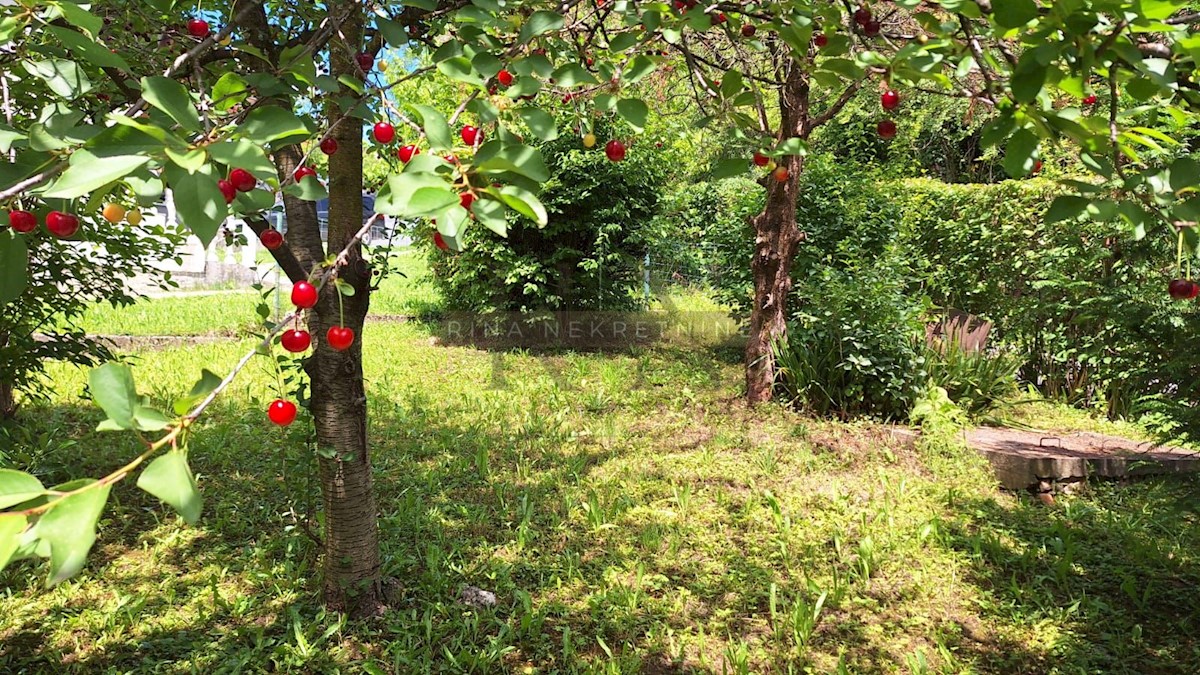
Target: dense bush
[65,279]
[1083,304]
[589,255]
[702,235]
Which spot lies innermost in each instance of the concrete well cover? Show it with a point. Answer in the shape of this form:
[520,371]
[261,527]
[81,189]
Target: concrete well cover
[1022,459]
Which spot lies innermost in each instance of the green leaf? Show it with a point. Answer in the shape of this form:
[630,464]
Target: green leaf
[1185,174]
[190,161]
[1028,78]
[11,527]
[1014,13]
[88,50]
[436,128]
[1019,153]
[491,213]
[17,487]
[639,67]
[572,75]
[450,223]
[635,111]
[1066,207]
[204,386]
[459,68]
[525,203]
[243,154]
[63,77]
[111,386]
[309,189]
[14,259]
[229,90]
[540,122]
[272,123]
[69,529]
[172,98]
[412,194]
[88,172]
[148,419]
[519,159]
[170,479]
[727,168]
[198,202]
[540,22]
[393,31]
[81,18]
[343,287]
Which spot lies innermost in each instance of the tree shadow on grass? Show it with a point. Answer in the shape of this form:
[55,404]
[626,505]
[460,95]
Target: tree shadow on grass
[1119,565]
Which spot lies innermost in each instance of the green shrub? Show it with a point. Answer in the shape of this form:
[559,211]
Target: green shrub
[588,256]
[853,348]
[1083,305]
[976,381]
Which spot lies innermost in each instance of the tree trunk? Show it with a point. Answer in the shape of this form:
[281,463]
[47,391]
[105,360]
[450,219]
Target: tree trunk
[776,238]
[8,401]
[339,401]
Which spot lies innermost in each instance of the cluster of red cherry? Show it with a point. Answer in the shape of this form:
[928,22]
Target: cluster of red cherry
[297,340]
[59,224]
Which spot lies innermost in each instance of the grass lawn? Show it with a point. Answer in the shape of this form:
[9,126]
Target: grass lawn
[629,512]
[406,290]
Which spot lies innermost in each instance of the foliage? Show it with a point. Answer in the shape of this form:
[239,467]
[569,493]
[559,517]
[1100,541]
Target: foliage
[44,322]
[1083,306]
[851,347]
[975,381]
[700,233]
[587,256]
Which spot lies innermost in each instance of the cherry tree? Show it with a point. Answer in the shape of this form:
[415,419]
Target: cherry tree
[229,107]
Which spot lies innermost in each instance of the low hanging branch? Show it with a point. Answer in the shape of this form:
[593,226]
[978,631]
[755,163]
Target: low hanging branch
[172,436]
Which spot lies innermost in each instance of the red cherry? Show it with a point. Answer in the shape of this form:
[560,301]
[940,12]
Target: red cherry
[886,129]
[719,18]
[1180,289]
[384,132]
[1037,166]
[872,28]
[295,341]
[761,159]
[62,224]
[329,146]
[1194,291]
[439,241]
[749,30]
[566,98]
[890,100]
[862,16]
[466,199]
[781,174]
[227,190]
[1090,99]
[505,78]
[243,180]
[820,40]
[407,152]
[340,337]
[22,221]
[271,239]
[471,135]
[304,295]
[303,172]
[282,412]
[198,28]
[365,60]
[614,150]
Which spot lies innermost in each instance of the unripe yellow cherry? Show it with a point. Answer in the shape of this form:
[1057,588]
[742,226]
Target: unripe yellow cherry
[382,65]
[589,140]
[113,213]
[133,216]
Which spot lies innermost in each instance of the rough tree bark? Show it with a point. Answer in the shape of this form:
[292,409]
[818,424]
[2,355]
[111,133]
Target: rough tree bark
[338,400]
[776,238]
